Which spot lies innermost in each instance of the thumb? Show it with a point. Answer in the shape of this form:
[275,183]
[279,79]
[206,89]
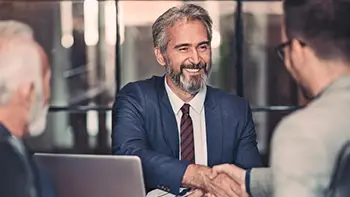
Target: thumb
[224,168]
[213,174]
[231,170]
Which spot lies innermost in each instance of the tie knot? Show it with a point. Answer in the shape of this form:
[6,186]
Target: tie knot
[185,108]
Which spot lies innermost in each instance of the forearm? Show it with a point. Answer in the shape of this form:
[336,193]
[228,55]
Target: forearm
[160,171]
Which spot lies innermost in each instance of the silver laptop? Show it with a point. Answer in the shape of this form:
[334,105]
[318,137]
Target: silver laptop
[94,175]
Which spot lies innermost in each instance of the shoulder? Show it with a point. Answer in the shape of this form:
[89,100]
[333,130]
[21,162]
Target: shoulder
[300,134]
[140,86]
[291,127]
[137,94]
[10,158]
[14,174]
[227,99]
[305,124]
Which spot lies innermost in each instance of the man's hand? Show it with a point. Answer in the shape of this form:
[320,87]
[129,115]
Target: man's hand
[196,193]
[198,176]
[210,182]
[234,173]
[199,193]
[223,185]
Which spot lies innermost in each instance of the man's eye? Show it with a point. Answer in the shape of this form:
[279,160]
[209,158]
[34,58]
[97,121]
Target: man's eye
[203,48]
[183,49]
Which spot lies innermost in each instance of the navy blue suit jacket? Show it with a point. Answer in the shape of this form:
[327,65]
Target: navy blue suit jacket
[16,171]
[145,126]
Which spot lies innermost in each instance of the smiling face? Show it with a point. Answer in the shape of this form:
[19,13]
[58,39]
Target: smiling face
[188,55]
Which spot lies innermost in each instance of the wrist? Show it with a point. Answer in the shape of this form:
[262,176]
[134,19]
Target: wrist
[188,178]
[196,175]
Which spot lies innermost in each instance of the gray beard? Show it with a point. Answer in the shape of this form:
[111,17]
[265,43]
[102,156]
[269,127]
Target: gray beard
[193,86]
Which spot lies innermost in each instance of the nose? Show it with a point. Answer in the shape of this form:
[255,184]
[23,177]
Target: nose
[195,58]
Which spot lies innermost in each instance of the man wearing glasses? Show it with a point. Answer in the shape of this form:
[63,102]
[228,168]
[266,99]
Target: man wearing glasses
[305,146]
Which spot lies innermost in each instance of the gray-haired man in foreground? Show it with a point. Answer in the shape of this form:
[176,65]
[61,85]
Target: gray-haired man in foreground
[24,99]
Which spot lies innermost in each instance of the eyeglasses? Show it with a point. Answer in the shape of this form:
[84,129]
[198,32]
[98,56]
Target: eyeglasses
[280,48]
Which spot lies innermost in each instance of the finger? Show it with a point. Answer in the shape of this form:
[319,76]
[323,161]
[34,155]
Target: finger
[236,189]
[216,189]
[230,187]
[224,168]
[196,193]
[213,175]
[229,191]
[231,170]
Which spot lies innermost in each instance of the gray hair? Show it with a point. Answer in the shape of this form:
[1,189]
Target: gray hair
[20,60]
[174,14]
[12,28]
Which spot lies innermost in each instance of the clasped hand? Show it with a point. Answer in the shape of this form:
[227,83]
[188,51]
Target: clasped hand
[220,181]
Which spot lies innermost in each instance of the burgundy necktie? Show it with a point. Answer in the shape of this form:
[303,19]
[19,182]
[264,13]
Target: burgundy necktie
[187,140]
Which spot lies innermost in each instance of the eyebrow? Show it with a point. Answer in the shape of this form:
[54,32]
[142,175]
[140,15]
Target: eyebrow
[188,44]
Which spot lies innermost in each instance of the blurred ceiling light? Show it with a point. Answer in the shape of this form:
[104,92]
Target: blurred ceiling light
[92,122]
[216,39]
[91,35]
[110,22]
[143,12]
[67,41]
[121,22]
[66,24]
[263,7]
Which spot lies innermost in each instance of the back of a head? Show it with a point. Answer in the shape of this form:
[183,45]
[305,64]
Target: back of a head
[20,61]
[12,28]
[322,24]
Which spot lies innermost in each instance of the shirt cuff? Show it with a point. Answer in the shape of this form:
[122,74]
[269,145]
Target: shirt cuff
[184,191]
[247,181]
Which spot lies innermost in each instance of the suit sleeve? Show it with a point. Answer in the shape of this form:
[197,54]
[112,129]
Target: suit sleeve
[247,155]
[13,178]
[260,184]
[297,158]
[129,137]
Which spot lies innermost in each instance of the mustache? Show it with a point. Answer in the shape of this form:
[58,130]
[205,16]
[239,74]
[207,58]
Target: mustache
[200,65]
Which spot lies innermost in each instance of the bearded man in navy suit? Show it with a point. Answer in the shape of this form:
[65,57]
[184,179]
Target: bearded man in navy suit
[178,125]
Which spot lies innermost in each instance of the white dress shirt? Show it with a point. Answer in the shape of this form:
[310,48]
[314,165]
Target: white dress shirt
[199,129]
[198,120]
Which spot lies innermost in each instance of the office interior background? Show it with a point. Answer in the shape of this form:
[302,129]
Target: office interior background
[96,47]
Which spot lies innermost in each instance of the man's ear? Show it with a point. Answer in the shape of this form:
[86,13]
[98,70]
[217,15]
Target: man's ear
[297,52]
[159,56]
[27,91]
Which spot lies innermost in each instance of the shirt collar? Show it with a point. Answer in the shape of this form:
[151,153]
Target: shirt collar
[196,103]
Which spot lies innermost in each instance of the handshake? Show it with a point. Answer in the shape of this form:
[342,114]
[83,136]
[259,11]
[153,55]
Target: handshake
[220,181]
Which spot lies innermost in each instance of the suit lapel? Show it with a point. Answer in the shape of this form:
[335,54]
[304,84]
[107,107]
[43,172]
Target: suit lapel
[169,124]
[213,129]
